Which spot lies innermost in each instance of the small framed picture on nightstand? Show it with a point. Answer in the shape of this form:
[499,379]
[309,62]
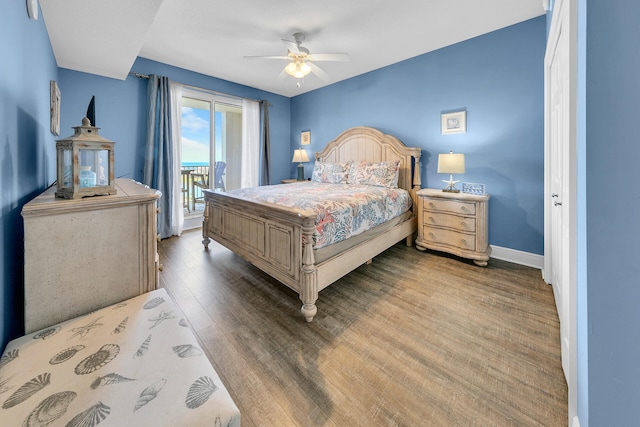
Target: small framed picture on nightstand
[472,188]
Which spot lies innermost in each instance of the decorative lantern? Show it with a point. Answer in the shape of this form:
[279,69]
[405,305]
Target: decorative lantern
[84,164]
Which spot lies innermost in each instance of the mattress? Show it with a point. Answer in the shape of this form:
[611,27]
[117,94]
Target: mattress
[342,210]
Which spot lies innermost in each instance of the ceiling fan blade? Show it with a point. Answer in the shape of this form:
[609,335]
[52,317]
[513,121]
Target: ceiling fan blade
[267,57]
[292,46]
[329,57]
[318,72]
[283,74]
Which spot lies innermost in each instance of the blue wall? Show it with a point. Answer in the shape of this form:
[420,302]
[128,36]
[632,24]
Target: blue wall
[27,148]
[498,78]
[613,210]
[121,111]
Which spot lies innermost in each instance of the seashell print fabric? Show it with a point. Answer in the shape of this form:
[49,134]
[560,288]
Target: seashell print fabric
[137,365]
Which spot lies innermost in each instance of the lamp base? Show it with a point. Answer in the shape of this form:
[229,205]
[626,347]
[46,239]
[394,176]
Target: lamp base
[450,190]
[451,185]
[300,172]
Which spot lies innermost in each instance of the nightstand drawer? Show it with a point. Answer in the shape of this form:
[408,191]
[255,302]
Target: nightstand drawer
[461,223]
[449,237]
[453,206]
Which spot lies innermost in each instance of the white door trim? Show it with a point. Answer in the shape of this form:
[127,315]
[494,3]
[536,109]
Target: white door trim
[564,24]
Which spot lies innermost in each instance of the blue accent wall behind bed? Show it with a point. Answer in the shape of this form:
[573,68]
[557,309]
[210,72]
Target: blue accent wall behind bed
[498,78]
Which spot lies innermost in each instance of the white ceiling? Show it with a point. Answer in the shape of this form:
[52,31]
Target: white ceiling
[212,36]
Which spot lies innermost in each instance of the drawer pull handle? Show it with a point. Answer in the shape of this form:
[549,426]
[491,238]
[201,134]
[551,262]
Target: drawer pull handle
[464,242]
[432,205]
[432,220]
[463,208]
[464,224]
[432,236]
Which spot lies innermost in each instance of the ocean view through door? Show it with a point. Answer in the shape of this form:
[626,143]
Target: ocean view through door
[211,149]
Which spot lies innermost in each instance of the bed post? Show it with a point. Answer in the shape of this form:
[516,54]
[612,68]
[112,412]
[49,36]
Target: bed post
[416,183]
[416,179]
[309,282]
[205,224]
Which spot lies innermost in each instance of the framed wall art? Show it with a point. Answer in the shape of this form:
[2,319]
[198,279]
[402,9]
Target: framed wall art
[455,122]
[55,108]
[305,137]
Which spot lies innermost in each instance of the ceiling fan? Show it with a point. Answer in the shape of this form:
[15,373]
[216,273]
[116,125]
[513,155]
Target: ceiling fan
[301,60]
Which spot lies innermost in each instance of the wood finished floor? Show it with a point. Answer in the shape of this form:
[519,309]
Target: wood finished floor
[413,339]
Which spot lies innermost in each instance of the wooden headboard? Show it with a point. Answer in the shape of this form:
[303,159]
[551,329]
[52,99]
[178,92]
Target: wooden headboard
[368,144]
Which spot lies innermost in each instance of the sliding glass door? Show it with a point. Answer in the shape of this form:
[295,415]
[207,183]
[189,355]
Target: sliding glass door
[211,138]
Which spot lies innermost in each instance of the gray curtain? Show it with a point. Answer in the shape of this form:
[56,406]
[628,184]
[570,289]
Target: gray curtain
[265,177]
[158,162]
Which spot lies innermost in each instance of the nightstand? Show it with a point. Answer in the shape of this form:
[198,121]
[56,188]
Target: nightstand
[456,223]
[288,181]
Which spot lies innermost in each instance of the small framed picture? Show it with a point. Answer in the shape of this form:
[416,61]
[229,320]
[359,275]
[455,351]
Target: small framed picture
[455,122]
[305,137]
[473,188]
[55,108]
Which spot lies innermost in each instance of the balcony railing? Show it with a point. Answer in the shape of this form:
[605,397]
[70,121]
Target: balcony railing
[193,198]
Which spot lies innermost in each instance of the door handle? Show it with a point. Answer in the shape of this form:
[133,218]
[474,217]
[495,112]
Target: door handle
[554,195]
[557,203]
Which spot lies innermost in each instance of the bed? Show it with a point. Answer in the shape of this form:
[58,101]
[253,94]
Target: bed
[279,239]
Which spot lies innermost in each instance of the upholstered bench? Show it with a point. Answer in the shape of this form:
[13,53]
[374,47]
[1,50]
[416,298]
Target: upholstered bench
[135,363]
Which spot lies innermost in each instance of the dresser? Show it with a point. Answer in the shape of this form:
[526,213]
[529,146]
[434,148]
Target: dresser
[456,223]
[84,254]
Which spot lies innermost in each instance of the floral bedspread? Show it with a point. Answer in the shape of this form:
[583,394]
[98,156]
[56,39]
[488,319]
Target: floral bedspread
[343,210]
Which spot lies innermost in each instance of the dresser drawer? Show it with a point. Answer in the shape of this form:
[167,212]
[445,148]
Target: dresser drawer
[453,206]
[462,223]
[449,237]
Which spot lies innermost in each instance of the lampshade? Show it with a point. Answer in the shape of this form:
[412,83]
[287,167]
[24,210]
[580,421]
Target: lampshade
[451,163]
[298,69]
[300,156]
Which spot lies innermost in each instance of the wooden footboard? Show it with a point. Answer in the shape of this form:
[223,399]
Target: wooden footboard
[279,240]
[270,237]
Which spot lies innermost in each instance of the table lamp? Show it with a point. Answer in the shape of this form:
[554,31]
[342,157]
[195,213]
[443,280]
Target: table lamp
[450,163]
[300,157]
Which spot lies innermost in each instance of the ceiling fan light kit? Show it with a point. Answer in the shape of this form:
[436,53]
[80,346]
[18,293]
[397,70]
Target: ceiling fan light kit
[302,61]
[298,69]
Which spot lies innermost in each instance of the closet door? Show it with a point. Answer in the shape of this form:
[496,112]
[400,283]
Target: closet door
[560,183]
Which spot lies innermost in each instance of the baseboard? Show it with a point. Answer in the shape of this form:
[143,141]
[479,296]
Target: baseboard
[517,257]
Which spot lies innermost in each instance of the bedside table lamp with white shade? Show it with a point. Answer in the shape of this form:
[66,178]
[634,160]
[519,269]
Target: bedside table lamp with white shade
[451,163]
[300,156]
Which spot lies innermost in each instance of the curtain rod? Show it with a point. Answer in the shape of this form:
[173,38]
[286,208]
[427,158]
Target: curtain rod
[144,76]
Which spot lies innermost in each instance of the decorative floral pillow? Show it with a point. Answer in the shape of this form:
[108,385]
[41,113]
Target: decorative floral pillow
[381,174]
[331,172]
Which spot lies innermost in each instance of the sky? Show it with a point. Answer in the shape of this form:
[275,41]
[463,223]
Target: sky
[195,135]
